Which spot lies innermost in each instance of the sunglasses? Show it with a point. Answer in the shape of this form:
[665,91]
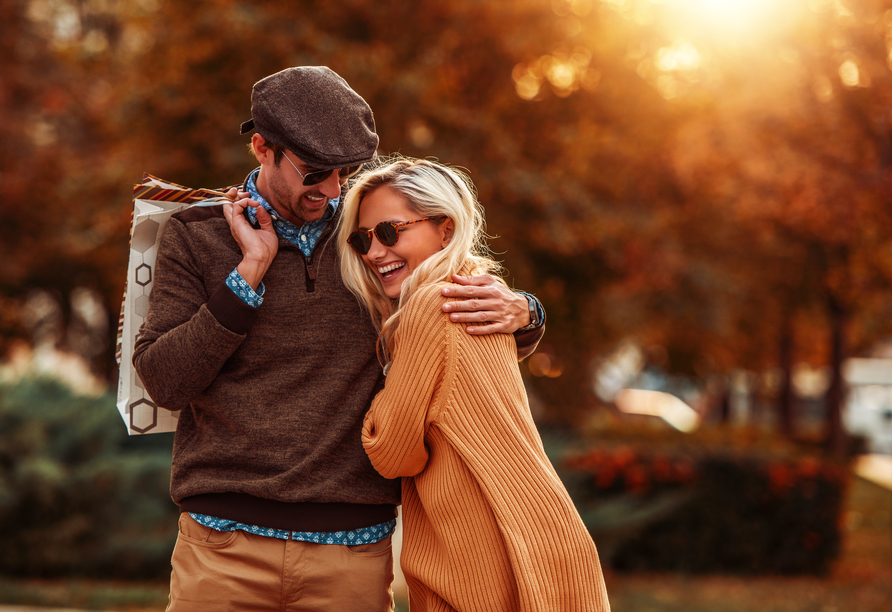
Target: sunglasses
[316,177]
[386,231]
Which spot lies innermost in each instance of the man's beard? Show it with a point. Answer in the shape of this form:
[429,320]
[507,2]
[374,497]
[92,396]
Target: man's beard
[287,201]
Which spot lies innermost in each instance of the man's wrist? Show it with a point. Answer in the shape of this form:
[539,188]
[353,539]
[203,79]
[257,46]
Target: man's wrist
[252,271]
[244,290]
[535,315]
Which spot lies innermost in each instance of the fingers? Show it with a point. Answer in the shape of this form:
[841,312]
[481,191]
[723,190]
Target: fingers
[479,317]
[234,210]
[479,281]
[484,327]
[488,327]
[234,194]
[490,308]
[471,293]
[264,219]
[482,322]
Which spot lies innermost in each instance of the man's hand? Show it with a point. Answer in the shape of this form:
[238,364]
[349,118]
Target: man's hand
[259,247]
[484,300]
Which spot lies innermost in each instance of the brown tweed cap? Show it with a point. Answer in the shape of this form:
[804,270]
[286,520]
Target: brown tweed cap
[312,111]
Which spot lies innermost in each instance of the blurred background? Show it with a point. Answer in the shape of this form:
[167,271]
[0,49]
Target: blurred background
[698,191]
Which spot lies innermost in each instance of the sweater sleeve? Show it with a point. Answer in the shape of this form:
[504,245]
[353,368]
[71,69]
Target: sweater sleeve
[527,341]
[395,426]
[187,335]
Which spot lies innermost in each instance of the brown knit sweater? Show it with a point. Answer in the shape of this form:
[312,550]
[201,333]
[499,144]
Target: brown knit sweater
[488,524]
[271,398]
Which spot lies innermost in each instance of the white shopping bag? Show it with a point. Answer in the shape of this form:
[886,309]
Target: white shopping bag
[154,201]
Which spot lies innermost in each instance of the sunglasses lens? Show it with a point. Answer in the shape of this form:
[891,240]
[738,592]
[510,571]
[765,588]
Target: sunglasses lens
[360,242]
[386,233]
[314,178]
[350,171]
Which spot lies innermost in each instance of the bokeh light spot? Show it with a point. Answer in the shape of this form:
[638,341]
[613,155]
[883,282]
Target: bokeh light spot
[849,73]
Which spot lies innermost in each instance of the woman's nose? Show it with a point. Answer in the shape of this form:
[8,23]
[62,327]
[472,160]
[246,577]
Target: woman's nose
[376,249]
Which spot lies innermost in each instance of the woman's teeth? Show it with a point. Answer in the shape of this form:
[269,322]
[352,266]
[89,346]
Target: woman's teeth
[391,267]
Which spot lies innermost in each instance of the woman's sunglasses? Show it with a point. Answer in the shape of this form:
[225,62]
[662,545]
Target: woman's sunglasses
[316,177]
[387,232]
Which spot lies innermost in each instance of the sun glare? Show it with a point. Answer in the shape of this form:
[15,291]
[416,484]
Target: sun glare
[723,18]
[731,11]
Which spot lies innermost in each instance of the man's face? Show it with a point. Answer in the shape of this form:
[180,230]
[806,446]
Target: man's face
[287,194]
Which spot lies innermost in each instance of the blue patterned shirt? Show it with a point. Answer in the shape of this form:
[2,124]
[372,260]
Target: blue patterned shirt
[304,238]
[366,535]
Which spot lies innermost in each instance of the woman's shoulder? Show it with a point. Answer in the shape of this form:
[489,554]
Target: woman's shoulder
[426,299]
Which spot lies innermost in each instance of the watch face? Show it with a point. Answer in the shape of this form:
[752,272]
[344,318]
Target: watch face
[534,313]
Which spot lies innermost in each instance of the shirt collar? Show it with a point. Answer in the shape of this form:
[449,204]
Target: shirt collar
[278,222]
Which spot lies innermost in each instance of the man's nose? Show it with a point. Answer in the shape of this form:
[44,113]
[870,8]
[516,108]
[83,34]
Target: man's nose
[331,187]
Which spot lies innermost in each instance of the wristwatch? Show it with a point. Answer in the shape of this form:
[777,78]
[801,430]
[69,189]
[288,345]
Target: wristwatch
[534,314]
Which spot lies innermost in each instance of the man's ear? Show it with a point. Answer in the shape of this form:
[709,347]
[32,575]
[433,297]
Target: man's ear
[262,152]
[447,228]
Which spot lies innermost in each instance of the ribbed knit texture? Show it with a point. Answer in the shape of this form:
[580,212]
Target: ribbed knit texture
[488,525]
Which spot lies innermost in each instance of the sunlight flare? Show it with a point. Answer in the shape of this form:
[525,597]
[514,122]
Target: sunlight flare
[721,18]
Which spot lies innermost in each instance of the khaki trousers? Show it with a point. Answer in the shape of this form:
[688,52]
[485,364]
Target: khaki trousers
[222,571]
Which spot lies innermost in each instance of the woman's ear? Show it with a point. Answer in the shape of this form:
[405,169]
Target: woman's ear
[447,228]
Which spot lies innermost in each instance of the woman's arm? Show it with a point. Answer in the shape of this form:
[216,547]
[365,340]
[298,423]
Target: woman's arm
[394,428]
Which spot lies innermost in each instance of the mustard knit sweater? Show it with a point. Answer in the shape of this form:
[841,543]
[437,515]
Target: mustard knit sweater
[488,525]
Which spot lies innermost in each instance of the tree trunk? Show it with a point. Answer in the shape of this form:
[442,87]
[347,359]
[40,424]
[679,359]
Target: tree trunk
[836,437]
[786,399]
[725,404]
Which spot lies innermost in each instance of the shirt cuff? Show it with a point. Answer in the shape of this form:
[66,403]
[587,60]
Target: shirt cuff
[242,289]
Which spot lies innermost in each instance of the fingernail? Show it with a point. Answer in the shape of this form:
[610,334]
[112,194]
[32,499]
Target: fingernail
[446,291]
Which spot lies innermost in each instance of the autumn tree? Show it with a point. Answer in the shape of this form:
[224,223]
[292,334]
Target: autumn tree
[707,182]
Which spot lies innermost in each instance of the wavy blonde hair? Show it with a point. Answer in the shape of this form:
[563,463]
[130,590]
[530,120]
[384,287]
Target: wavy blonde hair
[431,190]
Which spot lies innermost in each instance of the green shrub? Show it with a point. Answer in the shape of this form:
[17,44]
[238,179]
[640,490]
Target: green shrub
[721,502]
[78,497]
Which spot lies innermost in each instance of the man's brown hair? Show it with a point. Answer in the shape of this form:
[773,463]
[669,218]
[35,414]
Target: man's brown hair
[278,151]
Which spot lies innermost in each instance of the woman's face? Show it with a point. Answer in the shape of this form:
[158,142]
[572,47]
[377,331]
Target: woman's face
[415,243]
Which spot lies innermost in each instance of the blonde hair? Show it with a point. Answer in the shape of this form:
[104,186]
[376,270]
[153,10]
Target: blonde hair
[432,190]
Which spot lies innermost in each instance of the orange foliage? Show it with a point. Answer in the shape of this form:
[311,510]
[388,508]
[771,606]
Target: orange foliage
[685,187]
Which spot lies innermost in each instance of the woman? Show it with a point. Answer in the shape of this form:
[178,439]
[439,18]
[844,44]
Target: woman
[487,523]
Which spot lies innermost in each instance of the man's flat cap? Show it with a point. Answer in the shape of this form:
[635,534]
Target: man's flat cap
[311,111]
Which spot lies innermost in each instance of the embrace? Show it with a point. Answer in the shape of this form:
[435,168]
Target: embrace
[272,322]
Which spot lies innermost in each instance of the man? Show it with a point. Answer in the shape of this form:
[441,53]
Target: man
[272,362]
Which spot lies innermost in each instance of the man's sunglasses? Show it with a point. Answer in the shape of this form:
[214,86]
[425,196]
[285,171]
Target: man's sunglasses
[316,177]
[387,232]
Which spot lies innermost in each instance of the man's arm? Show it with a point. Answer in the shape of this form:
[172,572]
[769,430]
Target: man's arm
[191,330]
[493,308]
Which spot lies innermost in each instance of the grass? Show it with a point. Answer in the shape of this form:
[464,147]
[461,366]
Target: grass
[861,579]
[84,594]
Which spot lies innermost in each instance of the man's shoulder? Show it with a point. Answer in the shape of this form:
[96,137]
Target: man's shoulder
[198,228]
[199,212]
